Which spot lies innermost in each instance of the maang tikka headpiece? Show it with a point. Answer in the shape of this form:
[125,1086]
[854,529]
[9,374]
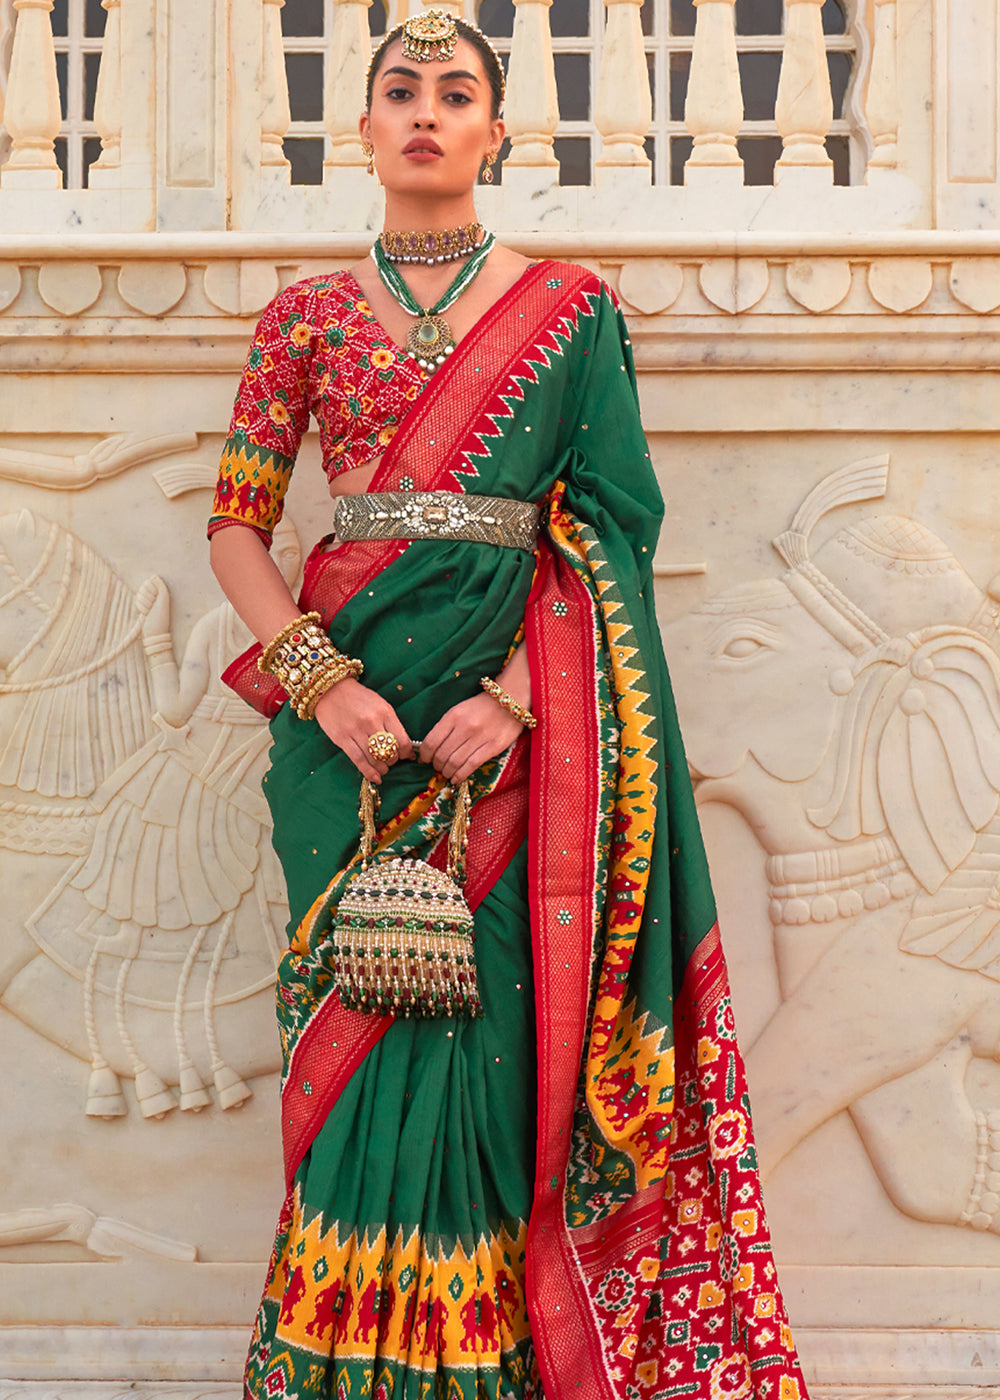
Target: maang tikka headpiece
[428,36]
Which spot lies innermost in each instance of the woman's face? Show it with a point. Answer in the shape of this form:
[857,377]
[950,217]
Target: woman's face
[431,123]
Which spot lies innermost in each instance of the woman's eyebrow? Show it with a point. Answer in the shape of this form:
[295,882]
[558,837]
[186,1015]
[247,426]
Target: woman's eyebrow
[457,73]
[448,77]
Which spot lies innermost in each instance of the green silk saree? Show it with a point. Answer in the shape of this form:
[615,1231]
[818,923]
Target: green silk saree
[562,1198]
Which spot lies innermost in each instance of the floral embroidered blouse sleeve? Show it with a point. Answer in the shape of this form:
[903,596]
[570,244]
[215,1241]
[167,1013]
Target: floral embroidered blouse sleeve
[318,349]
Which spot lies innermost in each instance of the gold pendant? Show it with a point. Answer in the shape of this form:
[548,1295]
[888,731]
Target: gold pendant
[430,342]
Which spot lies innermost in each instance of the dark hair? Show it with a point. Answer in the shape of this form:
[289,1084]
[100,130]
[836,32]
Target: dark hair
[478,40]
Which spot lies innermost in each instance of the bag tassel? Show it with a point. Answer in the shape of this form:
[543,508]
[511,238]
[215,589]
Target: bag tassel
[403,936]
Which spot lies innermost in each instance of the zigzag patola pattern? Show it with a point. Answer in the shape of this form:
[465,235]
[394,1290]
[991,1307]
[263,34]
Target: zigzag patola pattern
[630,1065]
[551,346]
[251,485]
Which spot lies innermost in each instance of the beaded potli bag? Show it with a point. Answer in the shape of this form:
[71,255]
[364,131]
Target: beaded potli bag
[403,932]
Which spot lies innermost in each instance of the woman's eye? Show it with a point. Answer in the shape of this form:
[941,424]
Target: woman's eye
[397,94]
[741,647]
[459,98]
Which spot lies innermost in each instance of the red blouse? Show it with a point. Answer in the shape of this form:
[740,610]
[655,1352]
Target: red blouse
[318,349]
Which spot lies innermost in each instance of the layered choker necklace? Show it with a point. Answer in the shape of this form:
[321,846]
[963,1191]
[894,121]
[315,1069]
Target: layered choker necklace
[438,246]
[430,341]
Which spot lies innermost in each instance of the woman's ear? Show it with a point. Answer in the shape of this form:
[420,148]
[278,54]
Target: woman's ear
[364,127]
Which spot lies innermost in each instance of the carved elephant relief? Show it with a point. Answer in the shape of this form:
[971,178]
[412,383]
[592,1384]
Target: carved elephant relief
[850,712]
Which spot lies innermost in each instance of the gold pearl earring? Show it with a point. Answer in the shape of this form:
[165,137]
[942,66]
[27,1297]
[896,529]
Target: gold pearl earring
[369,151]
[488,172]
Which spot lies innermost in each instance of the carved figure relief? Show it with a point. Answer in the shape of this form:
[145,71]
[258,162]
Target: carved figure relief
[74,697]
[850,712]
[109,456]
[103,1237]
[156,949]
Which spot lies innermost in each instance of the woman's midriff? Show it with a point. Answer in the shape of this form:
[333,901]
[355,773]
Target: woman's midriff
[356,481]
[353,483]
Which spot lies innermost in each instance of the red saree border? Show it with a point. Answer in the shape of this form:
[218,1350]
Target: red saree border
[330,1049]
[562,829]
[499,341]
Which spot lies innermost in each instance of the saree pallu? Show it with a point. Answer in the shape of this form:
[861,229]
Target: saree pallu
[562,1198]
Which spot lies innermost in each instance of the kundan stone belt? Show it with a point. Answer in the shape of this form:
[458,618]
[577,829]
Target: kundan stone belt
[437,515]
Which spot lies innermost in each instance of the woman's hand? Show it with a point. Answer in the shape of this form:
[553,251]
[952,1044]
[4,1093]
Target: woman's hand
[467,735]
[349,714]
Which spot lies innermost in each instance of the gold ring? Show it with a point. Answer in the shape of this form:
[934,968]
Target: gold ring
[382,747]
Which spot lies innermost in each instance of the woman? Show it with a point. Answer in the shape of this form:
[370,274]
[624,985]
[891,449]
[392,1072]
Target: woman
[559,1197]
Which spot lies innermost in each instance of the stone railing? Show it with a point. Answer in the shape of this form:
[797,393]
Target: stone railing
[798,300]
[149,174]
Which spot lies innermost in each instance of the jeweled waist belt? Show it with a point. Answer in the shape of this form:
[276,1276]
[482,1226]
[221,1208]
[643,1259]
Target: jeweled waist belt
[437,515]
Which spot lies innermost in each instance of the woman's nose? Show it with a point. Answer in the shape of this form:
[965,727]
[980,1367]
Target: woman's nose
[426,113]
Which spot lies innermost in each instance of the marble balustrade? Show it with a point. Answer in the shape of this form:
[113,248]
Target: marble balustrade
[259,120]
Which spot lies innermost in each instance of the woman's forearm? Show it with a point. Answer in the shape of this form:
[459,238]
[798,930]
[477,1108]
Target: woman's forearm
[516,677]
[252,581]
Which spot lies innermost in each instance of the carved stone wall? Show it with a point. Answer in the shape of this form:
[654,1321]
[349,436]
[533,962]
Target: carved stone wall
[824,419]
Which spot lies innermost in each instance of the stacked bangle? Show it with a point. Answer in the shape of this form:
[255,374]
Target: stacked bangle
[508,702]
[306,663]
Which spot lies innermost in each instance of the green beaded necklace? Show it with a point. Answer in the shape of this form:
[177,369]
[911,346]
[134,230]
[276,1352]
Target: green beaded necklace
[430,341]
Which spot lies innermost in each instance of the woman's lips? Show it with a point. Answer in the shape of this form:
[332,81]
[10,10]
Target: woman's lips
[422,156]
[423,149]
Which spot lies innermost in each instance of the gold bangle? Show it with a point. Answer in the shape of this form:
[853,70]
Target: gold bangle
[508,702]
[306,663]
[308,698]
[306,704]
[266,658]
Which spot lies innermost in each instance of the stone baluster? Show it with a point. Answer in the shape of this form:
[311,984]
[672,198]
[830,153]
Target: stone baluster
[108,100]
[33,114]
[882,108]
[804,107]
[713,110]
[275,114]
[6,42]
[623,109]
[531,110]
[346,70]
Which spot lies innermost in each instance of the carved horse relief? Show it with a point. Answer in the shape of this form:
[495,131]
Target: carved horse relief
[159,943]
[850,711]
